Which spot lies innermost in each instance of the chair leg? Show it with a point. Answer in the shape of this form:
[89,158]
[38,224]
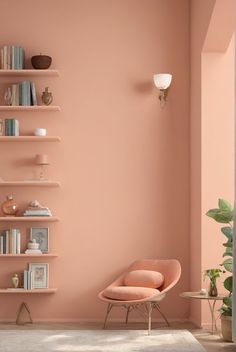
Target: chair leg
[109,308]
[127,314]
[149,309]
[162,314]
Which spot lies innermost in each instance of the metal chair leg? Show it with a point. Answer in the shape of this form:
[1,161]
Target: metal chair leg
[149,309]
[109,308]
[162,314]
[127,314]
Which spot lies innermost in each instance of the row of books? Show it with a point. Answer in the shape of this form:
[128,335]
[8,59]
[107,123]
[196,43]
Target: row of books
[11,127]
[12,57]
[23,93]
[10,242]
[28,280]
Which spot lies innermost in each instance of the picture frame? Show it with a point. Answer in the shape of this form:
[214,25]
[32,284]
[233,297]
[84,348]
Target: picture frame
[41,235]
[40,275]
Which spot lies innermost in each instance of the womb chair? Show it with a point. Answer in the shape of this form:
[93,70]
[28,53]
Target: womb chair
[136,288]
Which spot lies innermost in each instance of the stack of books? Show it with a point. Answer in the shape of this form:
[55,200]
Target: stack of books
[33,211]
[28,280]
[23,93]
[12,127]
[10,242]
[12,57]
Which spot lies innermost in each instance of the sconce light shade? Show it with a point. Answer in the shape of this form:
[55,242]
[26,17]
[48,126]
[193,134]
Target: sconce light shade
[162,81]
[41,159]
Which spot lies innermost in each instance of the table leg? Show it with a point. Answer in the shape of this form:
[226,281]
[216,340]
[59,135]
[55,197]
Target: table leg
[213,319]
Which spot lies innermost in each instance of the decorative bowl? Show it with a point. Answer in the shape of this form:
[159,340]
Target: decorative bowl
[41,62]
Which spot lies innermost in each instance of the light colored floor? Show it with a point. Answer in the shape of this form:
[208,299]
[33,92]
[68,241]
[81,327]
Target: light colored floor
[212,343]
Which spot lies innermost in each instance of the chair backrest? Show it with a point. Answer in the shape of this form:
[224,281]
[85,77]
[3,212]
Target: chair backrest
[170,268]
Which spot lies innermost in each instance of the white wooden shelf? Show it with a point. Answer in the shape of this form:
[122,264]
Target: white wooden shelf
[23,255]
[30,139]
[35,108]
[34,291]
[29,184]
[28,218]
[29,72]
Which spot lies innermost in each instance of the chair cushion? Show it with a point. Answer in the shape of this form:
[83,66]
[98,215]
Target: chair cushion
[127,293]
[144,278]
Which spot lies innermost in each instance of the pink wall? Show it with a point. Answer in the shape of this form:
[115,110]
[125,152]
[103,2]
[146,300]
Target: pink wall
[212,134]
[123,161]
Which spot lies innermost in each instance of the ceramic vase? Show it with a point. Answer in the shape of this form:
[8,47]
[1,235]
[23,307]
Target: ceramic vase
[8,97]
[9,207]
[47,97]
[15,280]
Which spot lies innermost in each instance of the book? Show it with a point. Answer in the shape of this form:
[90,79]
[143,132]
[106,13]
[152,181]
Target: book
[25,279]
[15,95]
[33,94]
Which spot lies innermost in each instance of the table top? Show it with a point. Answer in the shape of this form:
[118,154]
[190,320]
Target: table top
[198,295]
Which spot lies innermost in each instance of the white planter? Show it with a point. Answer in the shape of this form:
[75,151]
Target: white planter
[226,328]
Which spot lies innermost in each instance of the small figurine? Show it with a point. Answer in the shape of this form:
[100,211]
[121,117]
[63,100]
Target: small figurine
[9,206]
[47,97]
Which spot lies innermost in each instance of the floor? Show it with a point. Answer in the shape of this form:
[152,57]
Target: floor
[212,343]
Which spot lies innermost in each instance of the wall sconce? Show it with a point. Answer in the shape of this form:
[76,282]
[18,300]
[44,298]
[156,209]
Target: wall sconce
[162,81]
[41,160]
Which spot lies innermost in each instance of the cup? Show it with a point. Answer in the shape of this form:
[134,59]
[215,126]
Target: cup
[40,132]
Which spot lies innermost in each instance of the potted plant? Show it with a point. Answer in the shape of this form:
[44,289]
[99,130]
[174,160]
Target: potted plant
[224,215]
[213,275]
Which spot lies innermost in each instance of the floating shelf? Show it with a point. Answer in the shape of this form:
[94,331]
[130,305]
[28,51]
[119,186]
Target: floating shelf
[29,108]
[29,72]
[34,291]
[23,255]
[29,184]
[29,139]
[28,218]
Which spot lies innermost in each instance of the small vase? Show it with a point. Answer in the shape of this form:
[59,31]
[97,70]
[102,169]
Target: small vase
[15,280]
[47,97]
[8,97]
[213,292]
[9,207]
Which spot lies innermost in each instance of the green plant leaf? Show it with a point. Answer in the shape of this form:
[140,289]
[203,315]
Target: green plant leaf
[228,252]
[228,232]
[228,284]
[228,264]
[228,301]
[221,216]
[228,244]
[224,205]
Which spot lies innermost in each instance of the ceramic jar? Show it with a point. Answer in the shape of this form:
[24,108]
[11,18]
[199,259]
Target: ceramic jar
[40,132]
[47,97]
[33,244]
[9,207]
[15,280]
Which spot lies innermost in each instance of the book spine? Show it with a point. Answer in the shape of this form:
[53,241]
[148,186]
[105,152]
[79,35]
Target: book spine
[7,241]
[28,94]
[33,94]
[18,241]
[12,57]
[8,57]
[5,57]
[21,58]
[10,242]
[2,127]
[1,244]
[17,128]
[25,279]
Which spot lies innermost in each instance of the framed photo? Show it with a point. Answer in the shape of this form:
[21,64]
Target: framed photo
[41,235]
[40,274]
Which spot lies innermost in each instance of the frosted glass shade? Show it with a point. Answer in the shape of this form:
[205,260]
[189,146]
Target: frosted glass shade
[162,80]
[41,159]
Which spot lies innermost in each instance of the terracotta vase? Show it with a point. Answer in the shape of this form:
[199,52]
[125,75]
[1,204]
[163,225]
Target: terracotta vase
[226,328]
[9,207]
[15,280]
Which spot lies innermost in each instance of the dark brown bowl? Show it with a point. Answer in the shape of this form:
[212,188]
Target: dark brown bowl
[41,62]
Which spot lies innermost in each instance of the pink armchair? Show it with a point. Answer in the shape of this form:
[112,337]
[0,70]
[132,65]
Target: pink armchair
[171,271]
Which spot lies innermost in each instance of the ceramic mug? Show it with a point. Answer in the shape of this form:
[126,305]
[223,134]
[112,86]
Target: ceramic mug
[40,132]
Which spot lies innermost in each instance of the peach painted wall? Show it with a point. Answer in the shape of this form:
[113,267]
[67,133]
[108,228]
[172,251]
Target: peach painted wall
[218,146]
[123,161]
[212,133]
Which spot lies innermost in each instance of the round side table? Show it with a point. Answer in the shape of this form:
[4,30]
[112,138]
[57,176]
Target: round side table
[211,301]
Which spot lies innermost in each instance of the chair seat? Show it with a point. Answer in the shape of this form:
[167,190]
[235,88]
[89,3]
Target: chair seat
[129,293]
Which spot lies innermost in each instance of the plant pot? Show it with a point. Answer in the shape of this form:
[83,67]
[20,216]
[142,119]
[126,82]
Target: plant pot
[41,62]
[226,328]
